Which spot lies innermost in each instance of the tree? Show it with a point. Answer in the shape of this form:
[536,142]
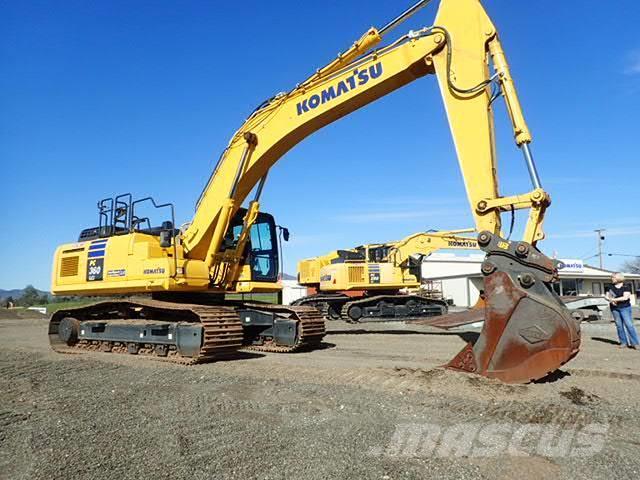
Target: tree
[31,296]
[632,266]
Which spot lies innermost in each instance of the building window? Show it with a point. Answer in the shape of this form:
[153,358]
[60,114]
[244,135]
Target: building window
[569,286]
[596,288]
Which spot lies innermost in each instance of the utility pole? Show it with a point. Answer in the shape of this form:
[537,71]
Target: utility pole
[600,233]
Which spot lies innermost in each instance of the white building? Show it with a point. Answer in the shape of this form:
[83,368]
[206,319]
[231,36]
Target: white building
[462,280]
[292,291]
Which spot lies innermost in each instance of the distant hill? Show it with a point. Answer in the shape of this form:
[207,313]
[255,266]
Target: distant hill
[18,292]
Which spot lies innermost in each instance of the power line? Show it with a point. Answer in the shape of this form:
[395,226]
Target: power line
[586,254]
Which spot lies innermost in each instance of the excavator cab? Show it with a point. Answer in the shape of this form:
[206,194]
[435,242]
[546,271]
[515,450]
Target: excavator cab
[261,251]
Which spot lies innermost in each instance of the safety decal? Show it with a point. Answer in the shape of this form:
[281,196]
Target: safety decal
[374,273]
[95,260]
[503,245]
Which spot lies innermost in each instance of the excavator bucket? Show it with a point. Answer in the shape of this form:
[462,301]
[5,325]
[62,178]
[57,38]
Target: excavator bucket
[528,332]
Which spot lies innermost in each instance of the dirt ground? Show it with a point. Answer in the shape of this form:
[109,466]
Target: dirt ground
[365,406]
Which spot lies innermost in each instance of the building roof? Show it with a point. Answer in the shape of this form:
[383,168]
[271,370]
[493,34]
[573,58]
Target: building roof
[451,265]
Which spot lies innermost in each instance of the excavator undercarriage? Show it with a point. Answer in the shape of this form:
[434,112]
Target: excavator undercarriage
[374,306]
[185,333]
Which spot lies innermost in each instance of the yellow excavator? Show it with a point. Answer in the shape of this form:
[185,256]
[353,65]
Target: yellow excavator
[186,272]
[371,282]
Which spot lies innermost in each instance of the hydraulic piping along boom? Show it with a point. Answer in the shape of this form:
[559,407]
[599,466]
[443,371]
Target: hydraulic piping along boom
[365,43]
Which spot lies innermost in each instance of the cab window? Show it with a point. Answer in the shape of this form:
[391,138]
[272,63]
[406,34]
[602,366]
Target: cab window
[264,253]
[262,247]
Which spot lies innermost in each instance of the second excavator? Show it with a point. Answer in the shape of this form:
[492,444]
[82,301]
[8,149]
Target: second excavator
[184,273]
[377,281]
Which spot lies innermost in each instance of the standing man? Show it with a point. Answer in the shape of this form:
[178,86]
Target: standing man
[619,296]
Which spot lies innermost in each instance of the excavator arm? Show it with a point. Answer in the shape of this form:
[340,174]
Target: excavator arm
[457,50]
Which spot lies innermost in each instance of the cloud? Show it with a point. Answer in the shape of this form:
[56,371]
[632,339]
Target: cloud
[609,232]
[365,217]
[632,64]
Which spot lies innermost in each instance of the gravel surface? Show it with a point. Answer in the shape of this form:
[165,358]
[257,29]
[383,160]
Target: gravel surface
[362,407]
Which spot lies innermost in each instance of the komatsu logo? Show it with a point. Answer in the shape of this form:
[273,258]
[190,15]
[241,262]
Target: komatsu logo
[359,78]
[153,271]
[463,244]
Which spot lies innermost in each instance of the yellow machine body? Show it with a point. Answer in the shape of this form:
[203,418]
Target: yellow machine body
[388,266]
[364,276]
[136,263]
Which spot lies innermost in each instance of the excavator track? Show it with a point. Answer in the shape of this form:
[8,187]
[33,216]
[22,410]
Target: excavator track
[222,331]
[391,307]
[310,331]
[324,304]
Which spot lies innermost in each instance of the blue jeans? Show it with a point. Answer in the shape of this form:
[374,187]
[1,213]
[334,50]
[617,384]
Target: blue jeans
[624,325]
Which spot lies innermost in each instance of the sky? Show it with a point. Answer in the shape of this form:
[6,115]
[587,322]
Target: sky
[100,98]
